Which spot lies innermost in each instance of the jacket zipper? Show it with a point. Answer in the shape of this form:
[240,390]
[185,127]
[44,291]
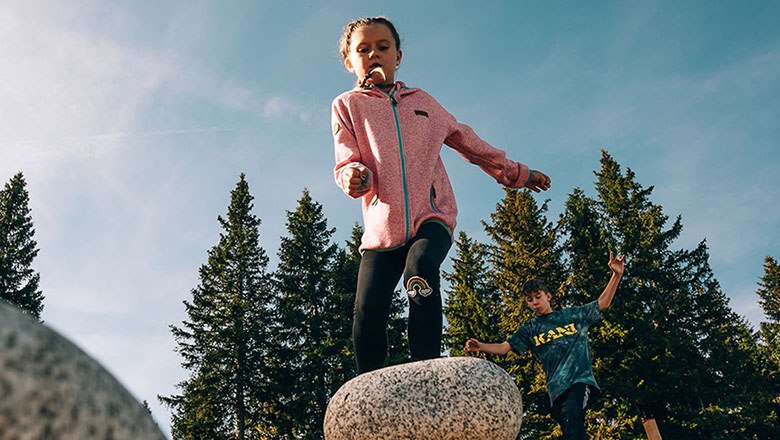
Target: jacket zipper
[394,105]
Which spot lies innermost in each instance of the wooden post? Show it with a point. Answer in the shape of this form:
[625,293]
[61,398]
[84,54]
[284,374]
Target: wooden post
[651,428]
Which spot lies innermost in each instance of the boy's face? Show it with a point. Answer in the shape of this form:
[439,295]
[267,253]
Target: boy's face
[539,302]
[373,46]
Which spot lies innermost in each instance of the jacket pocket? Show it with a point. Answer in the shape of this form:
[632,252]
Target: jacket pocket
[433,199]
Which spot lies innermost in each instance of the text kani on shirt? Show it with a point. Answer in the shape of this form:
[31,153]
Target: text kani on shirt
[543,338]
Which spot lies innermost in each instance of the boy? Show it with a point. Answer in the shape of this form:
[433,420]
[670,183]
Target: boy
[560,340]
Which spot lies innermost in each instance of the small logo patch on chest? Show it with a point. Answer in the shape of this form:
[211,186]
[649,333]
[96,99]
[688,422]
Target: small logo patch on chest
[421,113]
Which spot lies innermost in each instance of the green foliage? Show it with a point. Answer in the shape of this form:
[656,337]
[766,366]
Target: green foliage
[524,245]
[266,352]
[473,305]
[19,283]
[769,338]
[225,341]
[312,333]
[346,272]
[669,347]
[397,323]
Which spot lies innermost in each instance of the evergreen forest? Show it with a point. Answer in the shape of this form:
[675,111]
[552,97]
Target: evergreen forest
[265,348]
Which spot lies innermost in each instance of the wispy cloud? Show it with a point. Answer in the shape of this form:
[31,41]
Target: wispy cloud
[280,107]
[68,92]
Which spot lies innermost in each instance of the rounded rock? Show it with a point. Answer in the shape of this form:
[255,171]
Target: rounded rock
[455,398]
[52,390]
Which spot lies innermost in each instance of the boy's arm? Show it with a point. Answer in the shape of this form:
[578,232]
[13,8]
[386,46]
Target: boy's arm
[616,264]
[474,345]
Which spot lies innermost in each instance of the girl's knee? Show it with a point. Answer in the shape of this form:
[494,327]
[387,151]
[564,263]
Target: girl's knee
[419,288]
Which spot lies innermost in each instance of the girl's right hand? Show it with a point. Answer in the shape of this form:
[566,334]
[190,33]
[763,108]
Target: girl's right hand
[352,178]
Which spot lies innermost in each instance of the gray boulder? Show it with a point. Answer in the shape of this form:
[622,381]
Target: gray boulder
[456,398]
[51,390]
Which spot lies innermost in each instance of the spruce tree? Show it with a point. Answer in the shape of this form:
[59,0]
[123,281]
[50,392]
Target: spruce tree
[346,273]
[669,347]
[313,352]
[769,294]
[225,341]
[397,326]
[473,306]
[769,334]
[588,246]
[344,279]
[19,283]
[524,245]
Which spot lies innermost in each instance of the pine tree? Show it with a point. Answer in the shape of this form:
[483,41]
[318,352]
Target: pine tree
[473,306]
[311,327]
[669,347]
[19,283]
[587,245]
[397,340]
[397,325]
[769,333]
[524,245]
[344,279]
[225,342]
[769,292]
[345,276]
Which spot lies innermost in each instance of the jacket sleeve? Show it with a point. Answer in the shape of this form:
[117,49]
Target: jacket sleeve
[347,150]
[493,161]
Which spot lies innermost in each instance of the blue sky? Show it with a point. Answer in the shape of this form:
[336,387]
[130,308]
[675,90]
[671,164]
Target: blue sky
[133,120]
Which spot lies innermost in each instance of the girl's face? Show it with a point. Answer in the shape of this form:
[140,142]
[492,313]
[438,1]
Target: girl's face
[373,46]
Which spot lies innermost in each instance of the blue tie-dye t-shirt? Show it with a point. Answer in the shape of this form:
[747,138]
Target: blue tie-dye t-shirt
[560,340]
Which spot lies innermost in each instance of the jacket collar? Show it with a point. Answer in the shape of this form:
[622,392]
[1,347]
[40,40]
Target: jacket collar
[400,88]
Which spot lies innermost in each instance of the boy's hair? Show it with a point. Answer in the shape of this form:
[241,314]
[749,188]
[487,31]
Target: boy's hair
[346,36]
[532,286]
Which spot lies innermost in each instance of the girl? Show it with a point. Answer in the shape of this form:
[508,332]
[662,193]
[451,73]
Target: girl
[388,138]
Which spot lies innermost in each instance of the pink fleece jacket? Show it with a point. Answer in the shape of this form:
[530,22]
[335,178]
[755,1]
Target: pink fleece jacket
[398,137]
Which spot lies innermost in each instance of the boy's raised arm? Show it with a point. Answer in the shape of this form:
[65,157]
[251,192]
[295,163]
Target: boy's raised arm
[616,264]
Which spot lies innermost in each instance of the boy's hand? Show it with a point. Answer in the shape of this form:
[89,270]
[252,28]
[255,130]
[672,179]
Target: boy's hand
[472,345]
[616,264]
[539,181]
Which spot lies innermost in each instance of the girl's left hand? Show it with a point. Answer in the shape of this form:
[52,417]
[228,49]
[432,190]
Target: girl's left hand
[539,182]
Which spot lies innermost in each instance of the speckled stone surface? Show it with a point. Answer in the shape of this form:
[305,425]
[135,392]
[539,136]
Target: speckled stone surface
[456,398]
[51,390]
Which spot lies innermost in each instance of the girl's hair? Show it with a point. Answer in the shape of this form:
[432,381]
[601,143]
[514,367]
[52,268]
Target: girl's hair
[346,36]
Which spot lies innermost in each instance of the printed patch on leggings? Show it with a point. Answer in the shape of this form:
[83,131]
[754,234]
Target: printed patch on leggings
[418,286]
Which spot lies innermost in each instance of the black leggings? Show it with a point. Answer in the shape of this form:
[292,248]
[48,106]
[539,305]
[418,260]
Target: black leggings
[418,261]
